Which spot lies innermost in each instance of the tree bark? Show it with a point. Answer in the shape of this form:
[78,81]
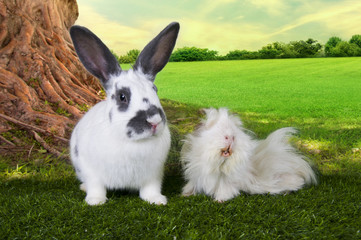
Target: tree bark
[42,82]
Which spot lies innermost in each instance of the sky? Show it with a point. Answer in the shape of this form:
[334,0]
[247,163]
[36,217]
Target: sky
[221,25]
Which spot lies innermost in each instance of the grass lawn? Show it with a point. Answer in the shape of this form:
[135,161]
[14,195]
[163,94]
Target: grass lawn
[307,88]
[40,196]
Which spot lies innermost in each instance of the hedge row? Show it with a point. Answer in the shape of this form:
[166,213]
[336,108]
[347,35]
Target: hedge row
[335,47]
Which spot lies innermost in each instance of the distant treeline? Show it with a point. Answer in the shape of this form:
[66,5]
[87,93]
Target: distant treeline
[335,47]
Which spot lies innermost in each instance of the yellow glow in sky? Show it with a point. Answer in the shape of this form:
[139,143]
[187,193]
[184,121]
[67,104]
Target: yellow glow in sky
[221,25]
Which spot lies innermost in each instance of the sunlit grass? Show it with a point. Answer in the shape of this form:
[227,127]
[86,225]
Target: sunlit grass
[307,88]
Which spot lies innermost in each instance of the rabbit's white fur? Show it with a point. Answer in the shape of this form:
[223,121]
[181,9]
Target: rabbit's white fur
[256,167]
[109,159]
[123,141]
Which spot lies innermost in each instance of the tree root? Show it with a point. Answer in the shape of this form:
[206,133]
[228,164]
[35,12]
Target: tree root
[32,128]
[48,147]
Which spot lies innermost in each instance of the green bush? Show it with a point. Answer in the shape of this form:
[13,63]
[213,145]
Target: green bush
[356,39]
[240,55]
[335,47]
[331,43]
[269,52]
[189,54]
[345,49]
[308,48]
[130,57]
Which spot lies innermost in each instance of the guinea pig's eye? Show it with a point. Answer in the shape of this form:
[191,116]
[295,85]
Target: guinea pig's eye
[122,98]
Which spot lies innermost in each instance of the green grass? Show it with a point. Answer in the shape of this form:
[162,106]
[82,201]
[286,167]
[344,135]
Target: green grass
[307,88]
[40,196]
[39,207]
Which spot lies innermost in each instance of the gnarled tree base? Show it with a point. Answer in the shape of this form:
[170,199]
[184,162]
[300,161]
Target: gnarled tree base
[42,82]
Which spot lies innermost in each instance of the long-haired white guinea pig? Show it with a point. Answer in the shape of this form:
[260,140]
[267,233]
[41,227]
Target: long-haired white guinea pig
[220,159]
[123,141]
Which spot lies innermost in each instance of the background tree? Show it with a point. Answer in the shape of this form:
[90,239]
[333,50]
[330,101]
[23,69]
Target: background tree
[270,51]
[308,48]
[345,49]
[331,43]
[285,50]
[188,54]
[240,55]
[356,39]
[130,57]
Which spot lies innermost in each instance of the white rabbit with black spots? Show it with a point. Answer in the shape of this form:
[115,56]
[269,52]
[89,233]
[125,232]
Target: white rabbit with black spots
[123,141]
[220,159]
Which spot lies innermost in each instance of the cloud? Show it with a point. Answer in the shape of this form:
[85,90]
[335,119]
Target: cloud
[209,6]
[222,37]
[239,17]
[346,22]
[215,35]
[201,28]
[343,18]
[272,7]
[117,37]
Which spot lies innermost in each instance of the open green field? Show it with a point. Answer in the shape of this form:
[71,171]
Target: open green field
[40,196]
[307,88]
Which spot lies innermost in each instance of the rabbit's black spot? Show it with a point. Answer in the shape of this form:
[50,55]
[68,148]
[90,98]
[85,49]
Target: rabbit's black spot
[146,100]
[139,122]
[129,134]
[155,88]
[110,116]
[122,97]
[153,110]
[76,151]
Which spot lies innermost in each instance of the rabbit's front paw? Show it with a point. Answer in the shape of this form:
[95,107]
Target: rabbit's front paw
[157,199]
[95,200]
[152,194]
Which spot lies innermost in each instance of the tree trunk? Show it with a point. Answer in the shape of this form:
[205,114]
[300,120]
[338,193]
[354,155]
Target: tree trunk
[42,82]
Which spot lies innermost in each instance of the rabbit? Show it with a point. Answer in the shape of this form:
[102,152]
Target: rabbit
[220,159]
[123,141]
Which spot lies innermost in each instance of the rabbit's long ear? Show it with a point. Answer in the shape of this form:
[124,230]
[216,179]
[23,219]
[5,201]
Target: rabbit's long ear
[94,55]
[157,53]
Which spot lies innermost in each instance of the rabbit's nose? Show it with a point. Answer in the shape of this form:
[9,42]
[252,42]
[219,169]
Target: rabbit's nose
[154,122]
[154,126]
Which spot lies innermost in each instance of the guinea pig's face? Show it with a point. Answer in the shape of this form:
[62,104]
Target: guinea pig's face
[221,130]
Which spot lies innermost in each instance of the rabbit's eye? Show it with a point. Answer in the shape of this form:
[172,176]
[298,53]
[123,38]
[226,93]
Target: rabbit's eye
[123,98]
